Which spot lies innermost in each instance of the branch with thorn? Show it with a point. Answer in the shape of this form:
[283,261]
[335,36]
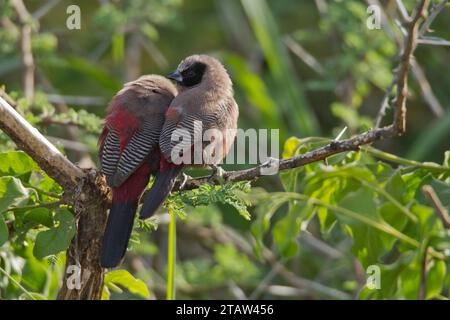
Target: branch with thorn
[397,128]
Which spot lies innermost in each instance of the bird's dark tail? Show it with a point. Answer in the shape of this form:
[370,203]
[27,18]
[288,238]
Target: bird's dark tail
[117,232]
[163,184]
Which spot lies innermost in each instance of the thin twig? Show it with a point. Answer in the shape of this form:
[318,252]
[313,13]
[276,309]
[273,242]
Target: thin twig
[403,12]
[438,206]
[427,92]
[385,103]
[405,64]
[434,12]
[418,74]
[155,53]
[322,7]
[423,275]
[304,55]
[48,205]
[43,10]
[25,46]
[433,41]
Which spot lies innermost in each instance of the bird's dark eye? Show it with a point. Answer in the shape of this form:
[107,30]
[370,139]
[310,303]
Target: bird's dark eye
[193,74]
[190,73]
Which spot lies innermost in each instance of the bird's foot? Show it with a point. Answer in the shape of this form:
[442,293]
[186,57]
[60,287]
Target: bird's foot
[217,175]
[183,180]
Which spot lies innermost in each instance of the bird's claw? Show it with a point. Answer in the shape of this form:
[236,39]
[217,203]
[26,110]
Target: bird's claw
[184,179]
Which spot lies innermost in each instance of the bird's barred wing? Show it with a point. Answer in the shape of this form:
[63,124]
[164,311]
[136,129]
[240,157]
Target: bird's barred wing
[191,124]
[143,142]
[109,153]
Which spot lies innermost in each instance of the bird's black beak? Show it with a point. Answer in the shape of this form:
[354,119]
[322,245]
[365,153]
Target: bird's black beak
[176,75]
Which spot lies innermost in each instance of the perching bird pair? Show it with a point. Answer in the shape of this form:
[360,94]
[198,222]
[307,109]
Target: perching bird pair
[138,139]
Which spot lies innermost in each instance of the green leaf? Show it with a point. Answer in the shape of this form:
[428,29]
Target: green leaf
[15,163]
[435,278]
[55,239]
[118,46]
[126,280]
[285,234]
[41,216]
[3,231]
[361,201]
[36,296]
[368,244]
[290,147]
[396,187]
[12,193]
[229,193]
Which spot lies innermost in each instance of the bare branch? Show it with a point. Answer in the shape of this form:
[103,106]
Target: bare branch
[38,147]
[434,12]
[419,75]
[305,56]
[402,83]
[322,6]
[427,91]
[43,10]
[154,52]
[433,41]
[402,9]
[384,104]
[25,46]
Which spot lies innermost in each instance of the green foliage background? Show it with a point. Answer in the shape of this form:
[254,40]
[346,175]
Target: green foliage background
[308,233]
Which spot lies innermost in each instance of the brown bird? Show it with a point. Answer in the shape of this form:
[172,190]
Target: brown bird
[205,96]
[129,154]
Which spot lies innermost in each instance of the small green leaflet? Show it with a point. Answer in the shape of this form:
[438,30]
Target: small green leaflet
[123,278]
[55,239]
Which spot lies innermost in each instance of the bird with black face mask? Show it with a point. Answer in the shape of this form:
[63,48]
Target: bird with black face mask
[204,105]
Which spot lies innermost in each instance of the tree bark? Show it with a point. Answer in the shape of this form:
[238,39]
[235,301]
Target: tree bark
[84,251]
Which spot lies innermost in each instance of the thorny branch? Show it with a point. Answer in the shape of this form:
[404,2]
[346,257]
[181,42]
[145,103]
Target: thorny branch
[353,144]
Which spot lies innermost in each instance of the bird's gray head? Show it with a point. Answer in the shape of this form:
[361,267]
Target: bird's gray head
[200,69]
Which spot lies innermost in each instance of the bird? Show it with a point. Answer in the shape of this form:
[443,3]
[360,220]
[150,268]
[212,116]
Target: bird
[205,95]
[129,154]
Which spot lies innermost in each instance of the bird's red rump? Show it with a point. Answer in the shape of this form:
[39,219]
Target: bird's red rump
[124,123]
[172,113]
[132,188]
[165,165]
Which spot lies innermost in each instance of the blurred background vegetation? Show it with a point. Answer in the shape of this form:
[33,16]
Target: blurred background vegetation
[308,68]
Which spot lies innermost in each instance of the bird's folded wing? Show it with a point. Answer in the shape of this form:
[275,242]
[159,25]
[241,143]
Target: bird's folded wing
[144,141]
[191,124]
[109,153]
